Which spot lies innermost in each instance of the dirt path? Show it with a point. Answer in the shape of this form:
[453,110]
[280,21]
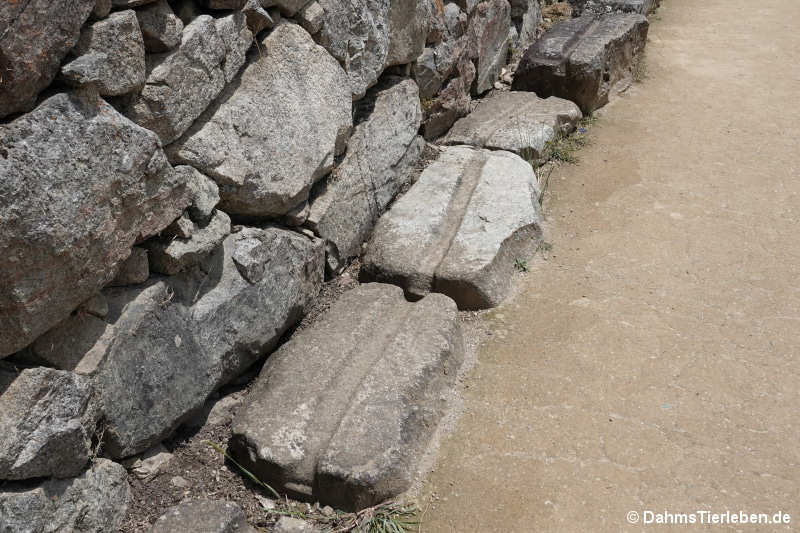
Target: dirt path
[653,361]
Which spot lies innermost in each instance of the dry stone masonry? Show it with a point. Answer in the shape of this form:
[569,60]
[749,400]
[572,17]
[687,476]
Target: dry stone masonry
[179,177]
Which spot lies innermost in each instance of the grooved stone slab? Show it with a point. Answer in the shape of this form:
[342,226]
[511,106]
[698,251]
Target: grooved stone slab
[585,59]
[515,121]
[344,410]
[459,229]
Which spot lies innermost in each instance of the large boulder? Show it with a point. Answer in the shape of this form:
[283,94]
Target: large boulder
[356,33]
[164,347]
[203,516]
[109,56]
[182,83]
[277,130]
[459,229]
[586,59]
[518,122]
[343,412]
[95,502]
[487,41]
[47,421]
[380,160]
[81,184]
[34,38]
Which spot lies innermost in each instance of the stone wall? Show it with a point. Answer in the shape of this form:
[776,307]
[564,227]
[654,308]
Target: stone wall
[178,179]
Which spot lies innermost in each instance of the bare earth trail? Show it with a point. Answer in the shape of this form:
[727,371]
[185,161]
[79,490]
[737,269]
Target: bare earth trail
[653,361]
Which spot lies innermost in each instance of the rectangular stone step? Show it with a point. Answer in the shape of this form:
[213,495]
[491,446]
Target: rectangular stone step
[517,121]
[459,229]
[343,412]
[585,59]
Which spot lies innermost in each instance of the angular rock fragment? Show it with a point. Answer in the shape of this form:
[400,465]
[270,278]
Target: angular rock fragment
[109,56]
[526,15]
[356,33]
[46,423]
[161,28]
[73,203]
[95,502]
[203,516]
[343,411]
[409,21]
[380,161]
[287,7]
[452,102]
[459,229]
[258,18]
[203,192]
[487,38]
[312,17]
[168,345]
[150,463]
[135,269]
[518,122]
[34,38]
[237,38]
[181,84]
[172,255]
[586,59]
[101,9]
[277,131]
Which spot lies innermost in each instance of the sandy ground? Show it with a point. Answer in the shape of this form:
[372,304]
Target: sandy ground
[652,362]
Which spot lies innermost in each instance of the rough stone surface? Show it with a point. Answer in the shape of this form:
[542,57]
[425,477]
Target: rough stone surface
[258,18]
[287,7]
[459,229]
[599,7]
[46,423]
[181,84]
[172,255]
[161,28]
[135,269]
[343,411]
[167,345]
[109,56]
[238,38]
[34,38]
[409,21]
[312,17]
[487,38]
[586,59]
[380,161]
[65,227]
[101,9]
[453,102]
[204,193]
[203,516]
[526,15]
[95,502]
[356,33]
[277,131]
[518,122]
